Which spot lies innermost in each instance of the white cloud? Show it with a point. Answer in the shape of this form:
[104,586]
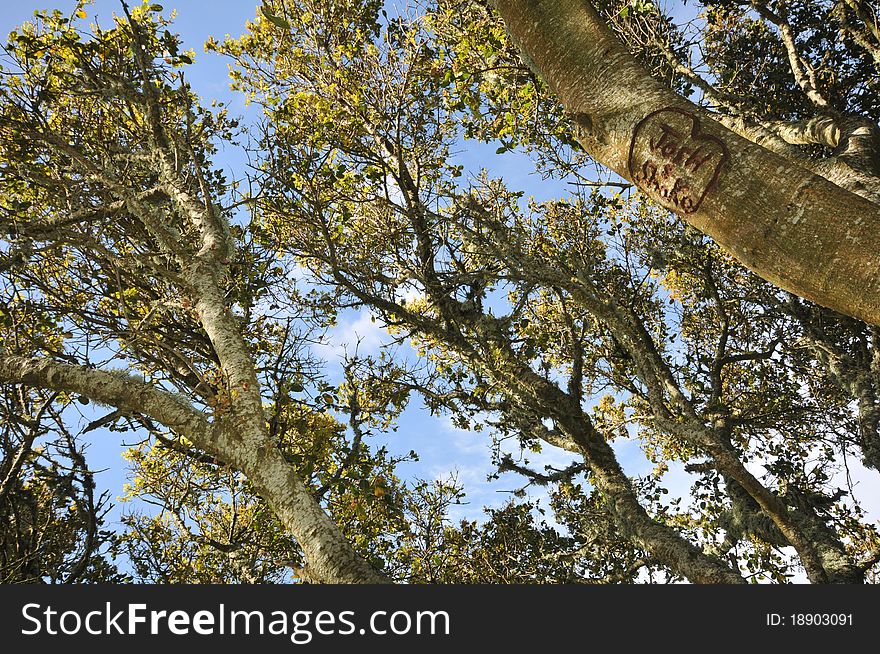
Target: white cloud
[410,293]
[865,486]
[362,335]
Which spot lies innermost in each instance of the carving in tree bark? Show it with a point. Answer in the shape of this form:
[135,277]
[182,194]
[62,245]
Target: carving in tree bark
[670,156]
[803,231]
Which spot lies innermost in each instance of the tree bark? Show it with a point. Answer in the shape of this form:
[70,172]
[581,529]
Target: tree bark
[789,225]
[330,557]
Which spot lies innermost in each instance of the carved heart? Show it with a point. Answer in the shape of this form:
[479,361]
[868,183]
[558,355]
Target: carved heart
[670,157]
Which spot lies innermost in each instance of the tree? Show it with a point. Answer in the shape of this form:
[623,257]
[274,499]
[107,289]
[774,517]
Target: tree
[136,275]
[527,312]
[50,517]
[776,157]
[119,236]
[214,527]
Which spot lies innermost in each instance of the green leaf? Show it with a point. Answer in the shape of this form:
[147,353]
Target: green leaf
[275,20]
[156,7]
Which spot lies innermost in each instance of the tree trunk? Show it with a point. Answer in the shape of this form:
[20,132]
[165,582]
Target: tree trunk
[331,559]
[789,225]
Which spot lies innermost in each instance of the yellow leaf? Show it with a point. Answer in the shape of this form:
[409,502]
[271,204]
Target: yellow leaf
[81,13]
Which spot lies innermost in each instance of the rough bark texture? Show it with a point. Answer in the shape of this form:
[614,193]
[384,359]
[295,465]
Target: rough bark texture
[663,542]
[788,224]
[330,557]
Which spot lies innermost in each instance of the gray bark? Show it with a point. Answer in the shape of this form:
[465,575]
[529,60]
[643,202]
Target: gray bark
[788,224]
[331,559]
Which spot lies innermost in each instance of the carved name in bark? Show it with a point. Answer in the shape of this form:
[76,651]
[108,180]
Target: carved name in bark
[671,157]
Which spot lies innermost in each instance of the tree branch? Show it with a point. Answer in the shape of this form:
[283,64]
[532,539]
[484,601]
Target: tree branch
[116,389]
[786,223]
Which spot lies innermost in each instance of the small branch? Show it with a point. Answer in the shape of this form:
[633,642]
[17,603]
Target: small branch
[507,464]
[25,448]
[802,70]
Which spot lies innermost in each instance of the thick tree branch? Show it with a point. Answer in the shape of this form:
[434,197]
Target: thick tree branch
[789,225]
[115,389]
[330,556]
